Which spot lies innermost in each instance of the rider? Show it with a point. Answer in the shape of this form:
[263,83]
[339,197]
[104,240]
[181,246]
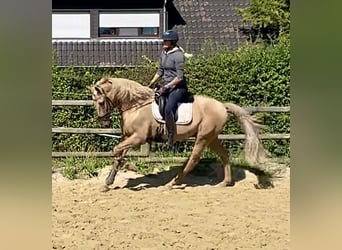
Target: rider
[175,86]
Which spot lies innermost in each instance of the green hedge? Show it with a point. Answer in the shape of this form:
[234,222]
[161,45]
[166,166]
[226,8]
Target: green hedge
[254,75]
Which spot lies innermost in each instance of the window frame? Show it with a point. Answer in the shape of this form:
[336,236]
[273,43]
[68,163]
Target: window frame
[72,12]
[139,29]
[139,32]
[95,23]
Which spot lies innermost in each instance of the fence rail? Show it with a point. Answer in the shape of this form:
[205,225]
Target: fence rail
[118,131]
[144,150]
[90,102]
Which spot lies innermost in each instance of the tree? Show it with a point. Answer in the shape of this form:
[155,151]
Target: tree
[268,18]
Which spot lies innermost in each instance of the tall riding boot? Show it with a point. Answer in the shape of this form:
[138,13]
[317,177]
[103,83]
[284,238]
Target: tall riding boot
[170,128]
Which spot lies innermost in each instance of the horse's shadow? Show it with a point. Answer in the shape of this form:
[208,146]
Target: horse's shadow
[198,177]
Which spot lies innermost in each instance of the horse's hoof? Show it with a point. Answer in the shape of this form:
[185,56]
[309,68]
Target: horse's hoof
[167,187]
[225,184]
[264,182]
[231,184]
[221,184]
[267,185]
[104,188]
[110,178]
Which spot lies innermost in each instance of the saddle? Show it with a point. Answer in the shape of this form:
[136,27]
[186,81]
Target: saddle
[183,114]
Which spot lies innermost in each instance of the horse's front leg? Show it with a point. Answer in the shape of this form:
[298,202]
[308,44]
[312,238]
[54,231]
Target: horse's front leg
[118,163]
[116,167]
[120,151]
[111,176]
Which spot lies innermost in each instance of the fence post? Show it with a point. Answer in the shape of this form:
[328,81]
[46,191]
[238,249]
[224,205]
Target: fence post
[145,149]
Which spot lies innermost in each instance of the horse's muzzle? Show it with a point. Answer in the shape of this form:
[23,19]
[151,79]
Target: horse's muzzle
[104,120]
[105,124]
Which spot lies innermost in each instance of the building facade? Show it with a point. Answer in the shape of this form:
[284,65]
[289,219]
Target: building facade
[119,33]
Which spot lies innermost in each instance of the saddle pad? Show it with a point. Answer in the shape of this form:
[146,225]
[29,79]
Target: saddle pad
[184,113]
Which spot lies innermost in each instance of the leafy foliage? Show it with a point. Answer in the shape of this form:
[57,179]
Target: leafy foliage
[269,18]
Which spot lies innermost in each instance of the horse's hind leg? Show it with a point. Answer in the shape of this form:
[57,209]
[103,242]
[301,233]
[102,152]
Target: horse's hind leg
[217,147]
[194,158]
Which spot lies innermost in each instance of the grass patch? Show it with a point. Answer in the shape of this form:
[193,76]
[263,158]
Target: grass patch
[80,167]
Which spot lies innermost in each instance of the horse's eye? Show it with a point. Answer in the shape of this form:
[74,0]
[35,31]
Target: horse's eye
[100,100]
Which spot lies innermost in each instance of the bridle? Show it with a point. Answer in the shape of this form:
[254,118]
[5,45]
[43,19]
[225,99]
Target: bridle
[108,106]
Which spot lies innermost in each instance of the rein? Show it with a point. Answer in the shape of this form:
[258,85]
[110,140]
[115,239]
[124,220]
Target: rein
[138,106]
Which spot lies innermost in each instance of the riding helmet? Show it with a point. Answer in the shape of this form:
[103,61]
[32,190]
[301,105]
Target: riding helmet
[170,35]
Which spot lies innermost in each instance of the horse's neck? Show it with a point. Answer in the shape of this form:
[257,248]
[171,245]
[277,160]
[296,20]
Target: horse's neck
[125,105]
[127,100]
[133,104]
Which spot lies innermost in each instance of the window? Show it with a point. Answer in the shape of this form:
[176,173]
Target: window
[108,31]
[128,32]
[71,25]
[85,24]
[149,31]
[128,24]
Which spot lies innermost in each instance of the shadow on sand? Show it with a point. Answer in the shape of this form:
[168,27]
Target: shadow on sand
[201,176]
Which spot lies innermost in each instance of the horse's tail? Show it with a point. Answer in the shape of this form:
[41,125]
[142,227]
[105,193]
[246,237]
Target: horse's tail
[255,153]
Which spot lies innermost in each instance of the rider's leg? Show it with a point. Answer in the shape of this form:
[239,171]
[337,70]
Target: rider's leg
[173,99]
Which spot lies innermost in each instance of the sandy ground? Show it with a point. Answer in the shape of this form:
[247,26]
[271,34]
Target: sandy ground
[145,215]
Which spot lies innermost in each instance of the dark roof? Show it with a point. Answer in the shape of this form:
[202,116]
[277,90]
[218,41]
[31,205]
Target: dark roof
[103,53]
[215,20]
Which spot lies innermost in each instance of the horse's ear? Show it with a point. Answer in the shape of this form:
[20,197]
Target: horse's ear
[104,80]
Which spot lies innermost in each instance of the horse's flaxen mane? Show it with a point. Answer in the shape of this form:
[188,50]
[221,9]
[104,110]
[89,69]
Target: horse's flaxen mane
[127,91]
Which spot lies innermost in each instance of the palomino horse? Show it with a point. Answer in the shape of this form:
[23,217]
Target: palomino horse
[138,125]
